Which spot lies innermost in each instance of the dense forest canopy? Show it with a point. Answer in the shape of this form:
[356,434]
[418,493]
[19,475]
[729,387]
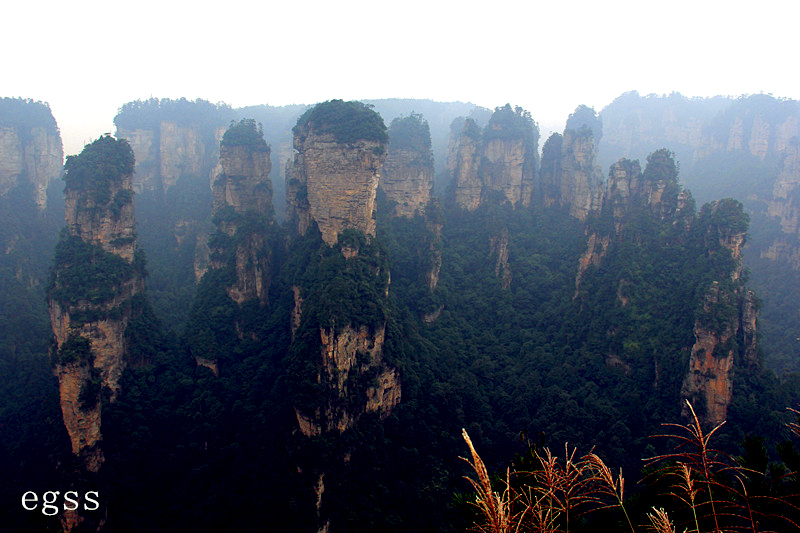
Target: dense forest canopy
[586,117]
[348,122]
[411,133]
[245,133]
[100,161]
[24,114]
[512,123]
[149,113]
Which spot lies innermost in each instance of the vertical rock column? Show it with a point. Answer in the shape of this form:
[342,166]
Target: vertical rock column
[498,163]
[243,210]
[340,149]
[725,327]
[94,278]
[339,323]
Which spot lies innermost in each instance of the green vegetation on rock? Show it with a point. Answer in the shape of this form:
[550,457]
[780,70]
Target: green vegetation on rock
[84,272]
[146,114]
[348,122]
[103,161]
[24,114]
[509,123]
[245,133]
[411,133]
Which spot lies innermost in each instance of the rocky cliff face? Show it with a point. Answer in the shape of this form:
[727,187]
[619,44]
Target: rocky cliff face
[347,356]
[334,178]
[725,328]
[498,163]
[630,194]
[30,155]
[498,250]
[569,175]
[464,165]
[407,177]
[94,281]
[784,205]
[168,151]
[243,211]
[407,181]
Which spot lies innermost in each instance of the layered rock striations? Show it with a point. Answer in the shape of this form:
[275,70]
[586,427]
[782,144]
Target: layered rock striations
[243,211]
[784,207]
[340,149]
[31,152]
[95,279]
[496,164]
[407,177]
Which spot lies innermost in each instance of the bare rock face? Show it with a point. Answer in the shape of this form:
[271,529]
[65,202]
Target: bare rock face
[725,330]
[569,174]
[244,183]
[104,217]
[29,154]
[343,354]
[407,177]
[167,151]
[407,182]
[434,225]
[498,163]
[785,206]
[95,279]
[340,183]
[464,164]
[340,148]
[507,169]
[243,217]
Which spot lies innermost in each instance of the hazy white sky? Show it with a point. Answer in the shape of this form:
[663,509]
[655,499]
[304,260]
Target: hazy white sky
[87,58]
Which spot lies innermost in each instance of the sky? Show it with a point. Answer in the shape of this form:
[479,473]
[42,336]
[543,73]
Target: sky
[87,58]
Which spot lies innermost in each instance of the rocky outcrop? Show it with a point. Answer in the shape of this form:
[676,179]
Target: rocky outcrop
[343,354]
[165,152]
[725,328]
[29,154]
[243,212]
[95,279]
[407,177]
[464,165]
[569,176]
[171,139]
[433,244]
[103,216]
[338,327]
[784,206]
[498,163]
[334,176]
[628,195]
[498,249]
[407,182]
